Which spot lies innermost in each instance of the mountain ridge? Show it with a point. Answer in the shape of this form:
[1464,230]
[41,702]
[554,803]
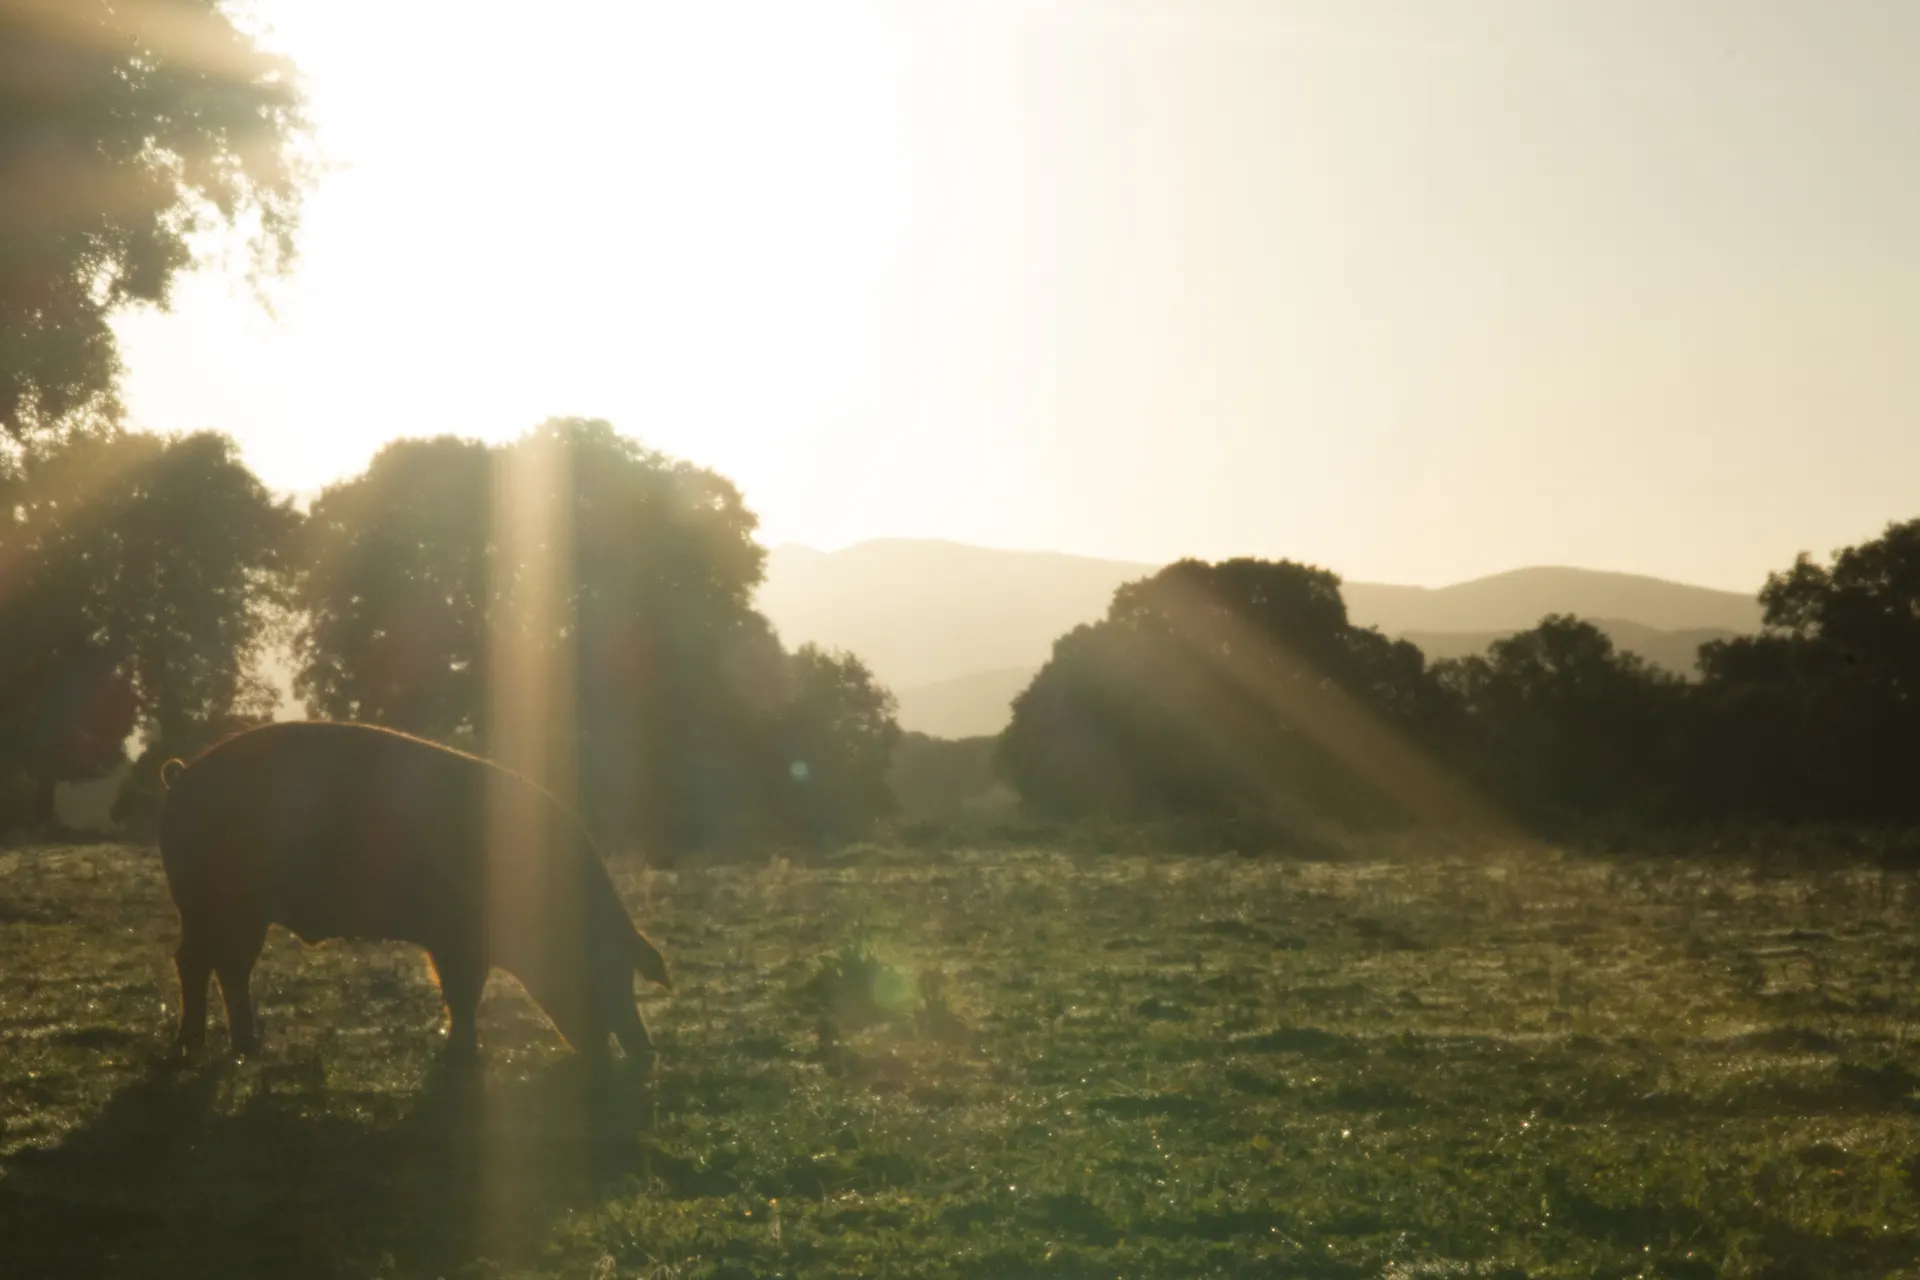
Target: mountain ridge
[947,623]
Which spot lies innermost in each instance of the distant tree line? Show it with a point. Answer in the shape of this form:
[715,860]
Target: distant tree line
[144,577]
[1242,688]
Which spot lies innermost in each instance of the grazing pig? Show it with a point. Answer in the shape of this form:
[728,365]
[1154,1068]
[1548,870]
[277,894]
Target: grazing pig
[351,831]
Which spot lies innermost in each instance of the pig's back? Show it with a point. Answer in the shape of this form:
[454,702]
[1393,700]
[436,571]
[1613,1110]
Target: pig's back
[331,830]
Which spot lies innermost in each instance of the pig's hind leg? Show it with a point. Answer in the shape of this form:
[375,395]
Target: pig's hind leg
[193,961]
[463,977]
[233,955]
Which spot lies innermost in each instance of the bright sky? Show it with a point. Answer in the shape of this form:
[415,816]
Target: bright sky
[1417,291]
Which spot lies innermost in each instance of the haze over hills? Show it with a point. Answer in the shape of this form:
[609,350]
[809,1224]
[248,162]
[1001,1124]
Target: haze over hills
[919,612]
[1519,598]
[957,630]
[965,706]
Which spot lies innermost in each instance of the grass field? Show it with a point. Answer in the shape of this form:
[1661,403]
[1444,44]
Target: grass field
[1011,1063]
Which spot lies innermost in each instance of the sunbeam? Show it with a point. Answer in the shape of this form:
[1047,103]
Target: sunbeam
[529,729]
[1265,687]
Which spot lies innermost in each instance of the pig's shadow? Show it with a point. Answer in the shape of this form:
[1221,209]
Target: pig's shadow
[219,1173]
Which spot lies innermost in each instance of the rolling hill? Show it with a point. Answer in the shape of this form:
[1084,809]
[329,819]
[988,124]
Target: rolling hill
[965,706]
[924,612]
[1518,599]
[957,630]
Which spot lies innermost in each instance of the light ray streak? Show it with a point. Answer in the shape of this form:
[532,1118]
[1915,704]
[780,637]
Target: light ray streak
[1270,681]
[530,729]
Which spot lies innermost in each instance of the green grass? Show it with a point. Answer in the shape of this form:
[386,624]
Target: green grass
[1011,1064]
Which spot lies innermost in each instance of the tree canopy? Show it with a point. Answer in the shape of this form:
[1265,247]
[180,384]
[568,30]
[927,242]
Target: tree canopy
[1555,722]
[1818,717]
[834,732]
[125,132]
[393,584]
[142,580]
[1239,686]
[429,584]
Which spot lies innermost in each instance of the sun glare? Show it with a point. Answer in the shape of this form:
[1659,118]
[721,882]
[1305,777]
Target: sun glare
[678,217]
[1133,280]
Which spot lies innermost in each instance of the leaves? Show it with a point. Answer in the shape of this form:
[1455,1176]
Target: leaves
[612,586]
[142,581]
[1819,717]
[125,131]
[1226,687]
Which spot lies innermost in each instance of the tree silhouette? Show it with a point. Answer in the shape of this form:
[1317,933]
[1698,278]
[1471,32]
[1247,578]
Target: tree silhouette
[392,583]
[66,712]
[1866,608]
[1767,731]
[1819,716]
[1238,687]
[628,577]
[142,584]
[1559,724]
[124,132]
[834,734]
